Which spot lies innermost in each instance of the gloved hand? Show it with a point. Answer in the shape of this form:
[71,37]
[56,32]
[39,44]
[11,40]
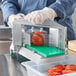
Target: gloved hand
[38,17]
[14,17]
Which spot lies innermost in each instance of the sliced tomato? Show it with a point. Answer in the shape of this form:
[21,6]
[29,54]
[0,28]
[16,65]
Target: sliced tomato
[55,69]
[64,66]
[61,67]
[67,71]
[71,67]
[54,73]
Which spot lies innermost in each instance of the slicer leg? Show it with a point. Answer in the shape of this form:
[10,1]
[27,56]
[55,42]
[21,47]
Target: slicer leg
[17,56]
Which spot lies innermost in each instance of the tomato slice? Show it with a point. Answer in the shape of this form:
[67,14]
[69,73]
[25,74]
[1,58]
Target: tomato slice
[54,73]
[71,67]
[61,67]
[64,66]
[67,71]
[55,69]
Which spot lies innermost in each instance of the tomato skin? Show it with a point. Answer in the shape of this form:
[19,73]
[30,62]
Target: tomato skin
[37,39]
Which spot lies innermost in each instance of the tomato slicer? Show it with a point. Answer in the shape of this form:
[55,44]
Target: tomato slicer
[55,40]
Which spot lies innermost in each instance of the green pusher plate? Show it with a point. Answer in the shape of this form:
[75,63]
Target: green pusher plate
[45,51]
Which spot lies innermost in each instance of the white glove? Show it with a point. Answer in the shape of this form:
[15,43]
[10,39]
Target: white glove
[38,17]
[14,17]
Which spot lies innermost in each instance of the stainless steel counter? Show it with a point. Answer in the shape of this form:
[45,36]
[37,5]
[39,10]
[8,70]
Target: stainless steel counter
[11,67]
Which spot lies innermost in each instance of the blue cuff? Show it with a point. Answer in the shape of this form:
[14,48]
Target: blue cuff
[7,10]
[59,9]
[6,17]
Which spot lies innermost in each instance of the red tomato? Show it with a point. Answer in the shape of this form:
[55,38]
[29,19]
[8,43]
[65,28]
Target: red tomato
[37,39]
[55,69]
[64,66]
[61,67]
[54,73]
[67,71]
[71,67]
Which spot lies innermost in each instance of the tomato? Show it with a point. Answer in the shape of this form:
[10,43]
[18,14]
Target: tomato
[61,67]
[53,72]
[71,67]
[67,71]
[64,66]
[37,39]
[55,69]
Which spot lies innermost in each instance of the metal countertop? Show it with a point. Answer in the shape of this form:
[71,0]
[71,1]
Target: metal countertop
[11,67]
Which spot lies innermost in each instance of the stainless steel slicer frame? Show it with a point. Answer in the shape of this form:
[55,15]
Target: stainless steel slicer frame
[18,41]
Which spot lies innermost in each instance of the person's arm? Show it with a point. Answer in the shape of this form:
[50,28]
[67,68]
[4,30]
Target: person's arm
[9,7]
[63,8]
